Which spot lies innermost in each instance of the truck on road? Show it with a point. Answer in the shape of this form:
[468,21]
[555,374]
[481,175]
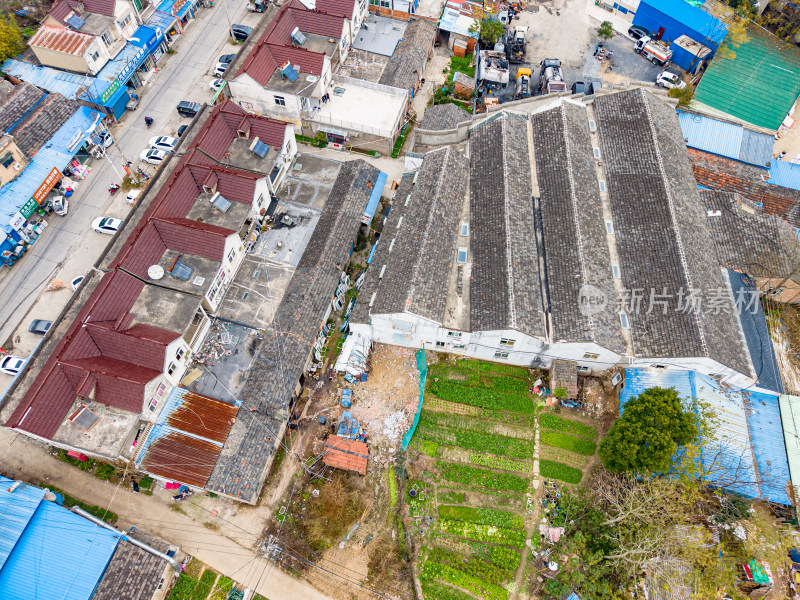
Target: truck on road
[517,44]
[551,80]
[655,51]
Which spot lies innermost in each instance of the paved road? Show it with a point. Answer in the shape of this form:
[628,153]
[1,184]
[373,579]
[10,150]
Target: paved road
[68,240]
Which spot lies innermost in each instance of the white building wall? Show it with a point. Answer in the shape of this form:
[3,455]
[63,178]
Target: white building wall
[704,365]
[176,356]
[592,357]
[255,99]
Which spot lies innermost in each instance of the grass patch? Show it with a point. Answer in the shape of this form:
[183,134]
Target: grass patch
[481,477]
[146,482]
[485,516]
[568,442]
[462,393]
[451,497]
[476,423]
[466,365]
[553,470]
[461,64]
[551,421]
[471,440]
[392,488]
[473,566]
[427,447]
[435,590]
[87,465]
[70,501]
[401,140]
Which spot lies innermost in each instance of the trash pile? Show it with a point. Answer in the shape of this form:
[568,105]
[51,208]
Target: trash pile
[395,425]
[216,344]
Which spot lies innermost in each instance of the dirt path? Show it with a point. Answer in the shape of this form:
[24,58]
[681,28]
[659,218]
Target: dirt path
[228,549]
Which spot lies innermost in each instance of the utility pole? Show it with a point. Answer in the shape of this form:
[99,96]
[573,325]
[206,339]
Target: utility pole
[230,25]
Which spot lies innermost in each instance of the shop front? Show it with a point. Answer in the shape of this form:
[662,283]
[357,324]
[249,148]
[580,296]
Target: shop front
[152,38]
[124,74]
[167,23]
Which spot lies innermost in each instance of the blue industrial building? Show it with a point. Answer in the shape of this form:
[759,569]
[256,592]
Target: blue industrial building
[668,20]
[726,139]
[46,551]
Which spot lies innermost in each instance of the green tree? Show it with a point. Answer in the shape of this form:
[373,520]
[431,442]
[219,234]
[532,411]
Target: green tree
[489,30]
[648,434]
[606,30]
[11,42]
[684,95]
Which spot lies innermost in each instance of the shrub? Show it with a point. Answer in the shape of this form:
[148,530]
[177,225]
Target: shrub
[482,478]
[460,392]
[86,465]
[505,558]
[550,421]
[97,511]
[105,471]
[146,482]
[560,393]
[554,470]
[485,516]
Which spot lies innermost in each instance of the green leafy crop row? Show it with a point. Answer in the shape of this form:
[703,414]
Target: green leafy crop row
[567,442]
[505,558]
[491,591]
[459,391]
[471,566]
[498,462]
[435,590]
[483,533]
[553,470]
[550,421]
[485,516]
[481,477]
[472,440]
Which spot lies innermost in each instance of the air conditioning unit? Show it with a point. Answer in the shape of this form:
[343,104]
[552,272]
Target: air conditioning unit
[17,166]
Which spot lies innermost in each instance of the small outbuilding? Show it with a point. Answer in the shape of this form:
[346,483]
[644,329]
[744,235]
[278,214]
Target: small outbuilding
[344,453]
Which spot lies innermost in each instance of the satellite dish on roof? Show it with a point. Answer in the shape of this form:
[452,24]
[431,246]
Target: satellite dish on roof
[155,272]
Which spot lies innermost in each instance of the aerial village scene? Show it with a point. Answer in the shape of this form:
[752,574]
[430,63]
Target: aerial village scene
[399,299]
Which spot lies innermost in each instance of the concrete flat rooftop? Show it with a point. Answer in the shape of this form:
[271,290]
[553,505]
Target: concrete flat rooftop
[361,109]
[379,35]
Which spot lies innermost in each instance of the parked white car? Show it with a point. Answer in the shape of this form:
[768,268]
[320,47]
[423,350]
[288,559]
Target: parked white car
[107,225]
[216,84]
[76,282]
[220,68]
[163,142]
[153,156]
[670,80]
[11,365]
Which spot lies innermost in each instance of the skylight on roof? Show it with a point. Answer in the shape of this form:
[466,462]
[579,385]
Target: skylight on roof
[221,203]
[298,36]
[182,271]
[260,148]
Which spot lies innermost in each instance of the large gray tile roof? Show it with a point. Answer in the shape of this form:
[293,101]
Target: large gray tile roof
[18,103]
[133,573]
[43,120]
[405,67]
[282,356]
[504,290]
[443,116]
[424,245]
[573,230]
[662,238]
[747,239]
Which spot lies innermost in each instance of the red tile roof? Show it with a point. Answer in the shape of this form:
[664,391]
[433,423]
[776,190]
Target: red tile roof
[307,21]
[58,39]
[60,11]
[724,174]
[340,8]
[217,133]
[347,454]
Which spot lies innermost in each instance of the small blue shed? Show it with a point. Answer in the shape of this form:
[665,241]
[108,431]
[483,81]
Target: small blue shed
[671,19]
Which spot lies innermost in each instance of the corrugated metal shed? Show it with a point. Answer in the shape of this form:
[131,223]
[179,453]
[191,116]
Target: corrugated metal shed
[375,198]
[764,423]
[790,420]
[17,508]
[55,153]
[114,67]
[69,85]
[725,139]
[59,555]
[453,21]
[187,438]
[747,456]
[784,174]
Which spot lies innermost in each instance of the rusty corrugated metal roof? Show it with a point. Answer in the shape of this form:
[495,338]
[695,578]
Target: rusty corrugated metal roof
[61,40]
[181,457]
[201,416]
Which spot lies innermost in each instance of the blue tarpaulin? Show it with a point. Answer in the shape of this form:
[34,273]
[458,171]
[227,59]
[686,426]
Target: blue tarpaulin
[348,426]
[374,198]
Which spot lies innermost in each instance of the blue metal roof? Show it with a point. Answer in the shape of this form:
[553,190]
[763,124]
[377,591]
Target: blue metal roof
[764,423]
[375,198]
[453,21]
[161,19]
[784,174]
[69,85]
[55,153]
[756,333]
[17,508]
[115,67]
[726,139]
[749,437]
[692,17]
[59,555]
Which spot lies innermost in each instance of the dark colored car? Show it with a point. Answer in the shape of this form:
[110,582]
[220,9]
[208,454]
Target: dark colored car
[637,31]
[40,327]
[227,58]
[188,109]
[241,32]
[182,129]
[578,87]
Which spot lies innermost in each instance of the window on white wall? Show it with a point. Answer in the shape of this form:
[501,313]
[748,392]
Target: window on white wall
[280,100]
[591,356]
[440,344]
[454,334]
[181,352]
[172,368]
[501,354]
[507,342]
[231,255]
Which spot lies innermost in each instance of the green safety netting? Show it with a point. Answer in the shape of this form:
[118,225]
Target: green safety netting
[423,374]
